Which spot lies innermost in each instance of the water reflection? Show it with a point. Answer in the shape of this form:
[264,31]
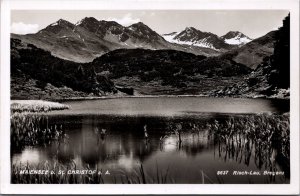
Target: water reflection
[185,148]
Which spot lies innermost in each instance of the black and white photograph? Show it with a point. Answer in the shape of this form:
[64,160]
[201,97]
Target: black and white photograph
[150,96]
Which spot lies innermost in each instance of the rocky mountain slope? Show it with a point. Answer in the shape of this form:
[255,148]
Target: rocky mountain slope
[68,41]
[90,38]
[251,54]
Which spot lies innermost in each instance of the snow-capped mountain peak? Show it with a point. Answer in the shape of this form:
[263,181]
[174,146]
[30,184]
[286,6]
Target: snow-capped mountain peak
[235,38]
[194,37]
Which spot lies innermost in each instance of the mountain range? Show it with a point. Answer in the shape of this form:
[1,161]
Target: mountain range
[95,57]
[90,38]
[195,37]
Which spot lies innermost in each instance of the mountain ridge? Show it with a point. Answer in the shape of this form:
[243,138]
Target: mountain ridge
[90,38]
[193,36]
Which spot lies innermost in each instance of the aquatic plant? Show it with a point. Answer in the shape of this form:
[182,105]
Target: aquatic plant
[266,137]
[32,129]
[29,125]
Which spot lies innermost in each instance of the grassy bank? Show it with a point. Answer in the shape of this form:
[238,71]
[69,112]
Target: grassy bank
[35,106]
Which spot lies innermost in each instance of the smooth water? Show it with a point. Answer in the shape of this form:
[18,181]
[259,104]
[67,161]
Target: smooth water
[170,106]
[196,157]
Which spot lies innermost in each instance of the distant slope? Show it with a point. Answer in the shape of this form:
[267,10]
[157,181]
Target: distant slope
[250,54]
[253,53]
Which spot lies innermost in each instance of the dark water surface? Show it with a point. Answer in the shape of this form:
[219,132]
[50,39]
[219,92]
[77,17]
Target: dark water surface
[189,139]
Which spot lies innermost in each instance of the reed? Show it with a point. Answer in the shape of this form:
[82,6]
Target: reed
[29,124]
[33,129]
[266,137]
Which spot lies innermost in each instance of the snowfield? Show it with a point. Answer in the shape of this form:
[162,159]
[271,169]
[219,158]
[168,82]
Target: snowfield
[200,43]
[237,40]
[36,106]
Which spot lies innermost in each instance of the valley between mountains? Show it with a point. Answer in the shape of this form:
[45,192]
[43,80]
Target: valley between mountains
[95,58]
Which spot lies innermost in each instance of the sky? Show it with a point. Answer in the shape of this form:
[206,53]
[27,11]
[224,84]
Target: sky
[253,23]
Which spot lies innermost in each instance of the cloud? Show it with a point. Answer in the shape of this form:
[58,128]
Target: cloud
[126,20]
[22,28]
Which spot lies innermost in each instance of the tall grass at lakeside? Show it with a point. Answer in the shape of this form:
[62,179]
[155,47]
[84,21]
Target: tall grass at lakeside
[266,137]
[35,106]
[26,122]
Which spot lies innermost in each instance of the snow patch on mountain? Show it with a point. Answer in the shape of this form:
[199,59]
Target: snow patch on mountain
[237,41]
[170,36]
[236,38]
[200,43]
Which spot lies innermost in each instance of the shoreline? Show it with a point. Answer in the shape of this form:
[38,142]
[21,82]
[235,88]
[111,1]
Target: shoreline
[156,96]
[56,107]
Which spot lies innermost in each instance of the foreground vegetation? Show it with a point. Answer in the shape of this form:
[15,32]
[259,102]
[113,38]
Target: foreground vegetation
[26,118]
[262,138]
